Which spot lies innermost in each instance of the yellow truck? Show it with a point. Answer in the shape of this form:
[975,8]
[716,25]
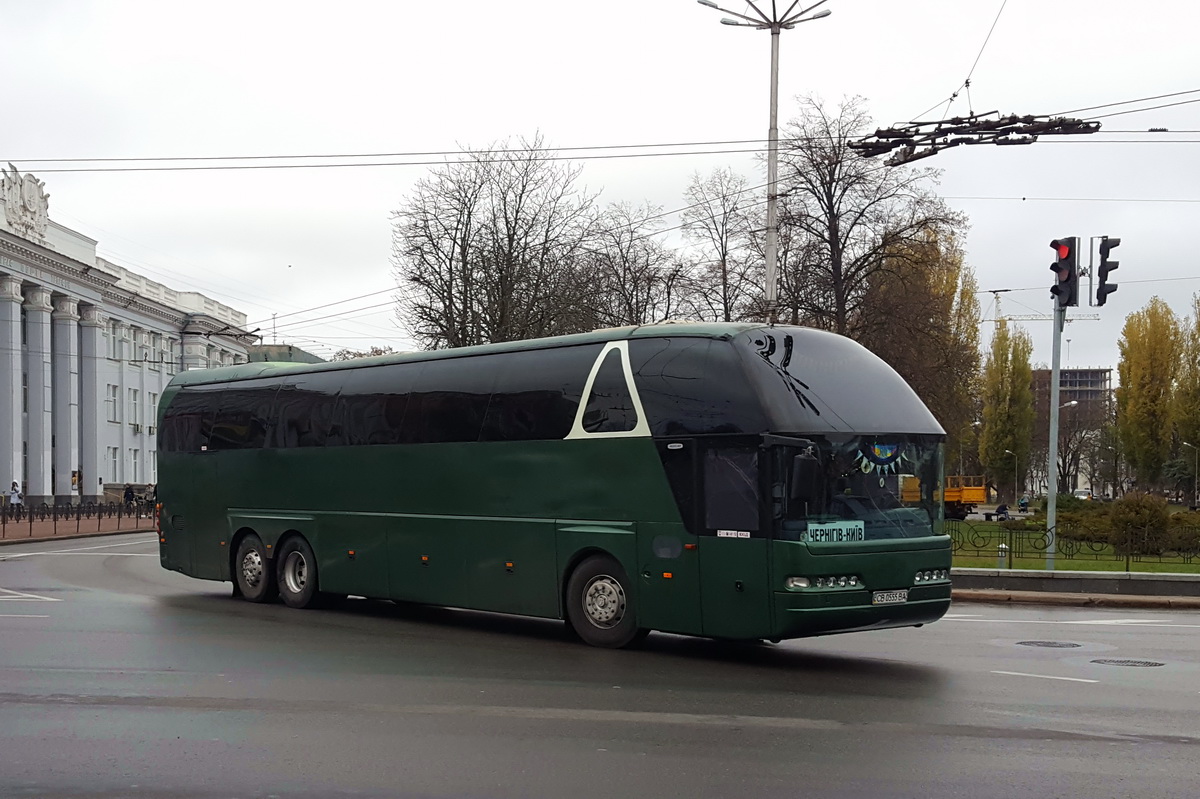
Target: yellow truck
[962,494]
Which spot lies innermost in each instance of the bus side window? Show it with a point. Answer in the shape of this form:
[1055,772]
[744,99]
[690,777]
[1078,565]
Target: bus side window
[187,421]
[610,405]
[731,489]
[373,402]
[537,394]
[304,411]
[244,416]
[449,400]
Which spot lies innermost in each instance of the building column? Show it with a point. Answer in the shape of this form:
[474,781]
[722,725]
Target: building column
[195,351]
[12,462]
[65,338]
[91,404]
[39,387]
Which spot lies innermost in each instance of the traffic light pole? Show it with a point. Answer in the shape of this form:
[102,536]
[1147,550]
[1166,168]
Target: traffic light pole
[1060,321]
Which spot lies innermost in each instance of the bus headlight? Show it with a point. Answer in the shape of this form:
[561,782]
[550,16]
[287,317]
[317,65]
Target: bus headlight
[931,575]
[839,581]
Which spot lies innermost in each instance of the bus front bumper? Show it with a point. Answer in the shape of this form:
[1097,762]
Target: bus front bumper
[799,614]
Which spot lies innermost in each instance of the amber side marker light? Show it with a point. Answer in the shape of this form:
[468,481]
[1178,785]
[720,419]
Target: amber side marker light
[668,575]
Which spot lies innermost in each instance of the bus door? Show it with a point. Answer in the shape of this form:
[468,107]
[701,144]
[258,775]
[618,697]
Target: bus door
[734,567]
[668,554]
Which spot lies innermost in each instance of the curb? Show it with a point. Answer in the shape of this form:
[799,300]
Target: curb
[1075,600]
[71,536]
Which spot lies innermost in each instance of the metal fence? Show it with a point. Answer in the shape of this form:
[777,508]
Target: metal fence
[44,521]
[1016,543]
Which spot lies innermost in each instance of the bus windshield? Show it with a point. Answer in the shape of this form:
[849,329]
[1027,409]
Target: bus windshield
[832,489]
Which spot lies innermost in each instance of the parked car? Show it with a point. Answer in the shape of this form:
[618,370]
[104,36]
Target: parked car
[1082,493]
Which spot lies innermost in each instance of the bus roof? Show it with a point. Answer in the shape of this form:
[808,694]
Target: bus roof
[246,371]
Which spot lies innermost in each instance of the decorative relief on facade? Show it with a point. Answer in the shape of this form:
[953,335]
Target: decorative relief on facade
[10,288]
[37,298]
[26,203]
[66,308]
[90,316]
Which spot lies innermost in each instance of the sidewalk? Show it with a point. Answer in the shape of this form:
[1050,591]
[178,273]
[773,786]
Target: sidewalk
[16,532]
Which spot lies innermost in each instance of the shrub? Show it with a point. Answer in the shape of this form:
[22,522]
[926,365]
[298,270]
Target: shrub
[1140,524]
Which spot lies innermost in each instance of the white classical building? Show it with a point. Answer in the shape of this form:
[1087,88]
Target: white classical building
[86,348]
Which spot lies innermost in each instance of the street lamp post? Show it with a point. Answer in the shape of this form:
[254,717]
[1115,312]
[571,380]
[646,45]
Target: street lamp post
[1195,473]
[1052,461]
[1015,463]
[774,23]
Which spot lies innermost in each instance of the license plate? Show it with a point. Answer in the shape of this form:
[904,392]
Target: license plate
[889,597]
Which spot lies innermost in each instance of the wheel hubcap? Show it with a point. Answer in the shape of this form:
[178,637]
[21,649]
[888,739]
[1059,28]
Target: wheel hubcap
[295,572]
[252,568]
[604,601]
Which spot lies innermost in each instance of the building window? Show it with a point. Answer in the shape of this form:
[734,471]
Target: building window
[152,466]
[111,402]
[134,415]
[112,464]
[114,339]
[152,411]
[24,392]
[134,465]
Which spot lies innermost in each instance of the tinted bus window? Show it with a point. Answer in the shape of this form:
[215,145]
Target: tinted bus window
[374,400]
[731,489]
[610,405]
[243,415]
[305,411]
[693,386]
[537,393]
[188,420]
[449,400]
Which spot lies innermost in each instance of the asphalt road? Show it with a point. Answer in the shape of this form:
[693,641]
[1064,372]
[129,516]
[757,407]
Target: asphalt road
[120,679]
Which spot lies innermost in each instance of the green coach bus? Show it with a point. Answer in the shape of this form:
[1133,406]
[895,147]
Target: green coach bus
[736,481]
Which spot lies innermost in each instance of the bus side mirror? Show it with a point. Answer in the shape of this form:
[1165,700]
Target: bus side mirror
[805,484]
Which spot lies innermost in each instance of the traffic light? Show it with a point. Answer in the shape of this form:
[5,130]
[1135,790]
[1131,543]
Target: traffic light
[1066,269]
[1105,288]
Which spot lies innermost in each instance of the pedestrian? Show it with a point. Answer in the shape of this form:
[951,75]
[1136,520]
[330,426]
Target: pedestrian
[129,496]
[1002,512]
[15,497]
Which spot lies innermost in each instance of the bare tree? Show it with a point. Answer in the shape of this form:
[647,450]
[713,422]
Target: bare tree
[634,279]
[718,224]
[847,215]
[487,248]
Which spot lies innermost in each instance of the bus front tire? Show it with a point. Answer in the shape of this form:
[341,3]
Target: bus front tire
[599,604]
[252,571]
[296,571]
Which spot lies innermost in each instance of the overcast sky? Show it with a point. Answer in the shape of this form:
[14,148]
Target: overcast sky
[153,79]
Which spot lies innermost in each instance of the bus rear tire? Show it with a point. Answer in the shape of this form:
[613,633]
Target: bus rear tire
[252,571]
[600,606]
[296,571]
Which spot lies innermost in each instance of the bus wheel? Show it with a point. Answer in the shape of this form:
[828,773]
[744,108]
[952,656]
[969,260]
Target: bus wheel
[297,574]
[252,570]
[599,605]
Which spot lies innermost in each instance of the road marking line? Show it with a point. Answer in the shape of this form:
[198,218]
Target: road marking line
[1042,676]
[77,549]
[21,616]
[1094,622]
[21,596]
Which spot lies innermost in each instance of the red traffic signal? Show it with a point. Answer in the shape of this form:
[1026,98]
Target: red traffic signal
[1066,267]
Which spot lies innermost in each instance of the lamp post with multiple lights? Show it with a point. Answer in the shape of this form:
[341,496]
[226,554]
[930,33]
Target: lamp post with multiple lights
[774,22]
